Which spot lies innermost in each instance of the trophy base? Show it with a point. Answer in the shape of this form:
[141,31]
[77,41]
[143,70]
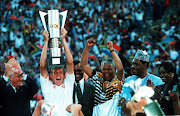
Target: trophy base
[153,109]
[56,62]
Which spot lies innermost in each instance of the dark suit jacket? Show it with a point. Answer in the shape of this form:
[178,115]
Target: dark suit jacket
[88,99]
[167,105]
[17,104]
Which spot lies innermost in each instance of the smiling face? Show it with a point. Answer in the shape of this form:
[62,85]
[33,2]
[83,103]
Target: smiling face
[16,80]
[108,71]
[57,76]
[165,76]
[78,72]
[138,68]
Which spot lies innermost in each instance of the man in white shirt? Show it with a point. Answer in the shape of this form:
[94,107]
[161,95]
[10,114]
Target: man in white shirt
[57,87]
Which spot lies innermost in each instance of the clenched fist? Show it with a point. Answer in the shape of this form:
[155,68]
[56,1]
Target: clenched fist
[63,33]
[109,45]
[45,35]
[90,42]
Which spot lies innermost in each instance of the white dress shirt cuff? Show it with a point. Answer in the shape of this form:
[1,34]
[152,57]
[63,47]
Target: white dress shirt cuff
[5,78]
[25,77]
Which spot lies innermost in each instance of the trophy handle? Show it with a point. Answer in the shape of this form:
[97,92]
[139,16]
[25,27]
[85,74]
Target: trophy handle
[64,14]
[42,14]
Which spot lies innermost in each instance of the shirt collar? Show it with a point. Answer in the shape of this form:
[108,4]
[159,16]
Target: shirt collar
[80,82]
[14,88]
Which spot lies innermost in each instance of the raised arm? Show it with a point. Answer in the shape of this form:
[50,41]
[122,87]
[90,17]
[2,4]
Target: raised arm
[69,58]
[117,60]
[8,66]
[84,59]
[31,83]
[43,68]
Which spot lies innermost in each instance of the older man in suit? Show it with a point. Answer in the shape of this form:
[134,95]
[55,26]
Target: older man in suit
[83,91]
[17,89]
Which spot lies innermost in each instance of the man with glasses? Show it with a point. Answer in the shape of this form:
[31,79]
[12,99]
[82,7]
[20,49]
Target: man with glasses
[108,84]
[83,91]
[17,89]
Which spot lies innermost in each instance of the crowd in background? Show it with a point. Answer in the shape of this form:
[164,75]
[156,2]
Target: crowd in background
[152,25]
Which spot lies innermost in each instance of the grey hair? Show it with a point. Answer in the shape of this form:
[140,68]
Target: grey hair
[11,74]
[108,60]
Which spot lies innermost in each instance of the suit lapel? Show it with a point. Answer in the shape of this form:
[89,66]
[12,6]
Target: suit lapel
[10,89]
[85,92]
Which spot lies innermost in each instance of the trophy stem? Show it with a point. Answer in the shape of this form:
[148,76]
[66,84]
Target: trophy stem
[54,43]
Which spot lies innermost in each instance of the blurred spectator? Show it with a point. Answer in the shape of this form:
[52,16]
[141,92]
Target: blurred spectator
[139,20]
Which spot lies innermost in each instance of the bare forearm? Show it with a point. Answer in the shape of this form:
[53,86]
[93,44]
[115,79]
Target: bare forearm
[117,61]
[69,58]
[43,59]
[84,62]
[81,113]
[44,54]
[68,54]
[118,65]
[37,112]
[84,58]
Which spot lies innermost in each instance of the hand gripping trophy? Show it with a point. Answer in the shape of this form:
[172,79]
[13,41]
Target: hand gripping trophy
[54,19]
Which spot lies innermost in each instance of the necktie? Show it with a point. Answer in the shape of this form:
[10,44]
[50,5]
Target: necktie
[74,91]
[17,89]
[79,93]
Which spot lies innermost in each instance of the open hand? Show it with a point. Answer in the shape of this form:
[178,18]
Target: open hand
[9,65]
[17,68]
[136,107]
[149,83]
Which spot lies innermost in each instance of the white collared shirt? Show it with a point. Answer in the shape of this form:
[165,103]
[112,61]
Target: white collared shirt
[61,95]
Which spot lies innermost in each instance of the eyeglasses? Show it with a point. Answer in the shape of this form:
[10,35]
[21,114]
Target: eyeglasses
[18,75]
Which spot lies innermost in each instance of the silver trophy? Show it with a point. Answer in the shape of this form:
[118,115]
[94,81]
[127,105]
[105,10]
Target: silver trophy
[56,21]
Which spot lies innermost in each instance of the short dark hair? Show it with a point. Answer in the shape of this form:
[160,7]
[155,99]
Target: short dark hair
[76,62]
[169,67]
